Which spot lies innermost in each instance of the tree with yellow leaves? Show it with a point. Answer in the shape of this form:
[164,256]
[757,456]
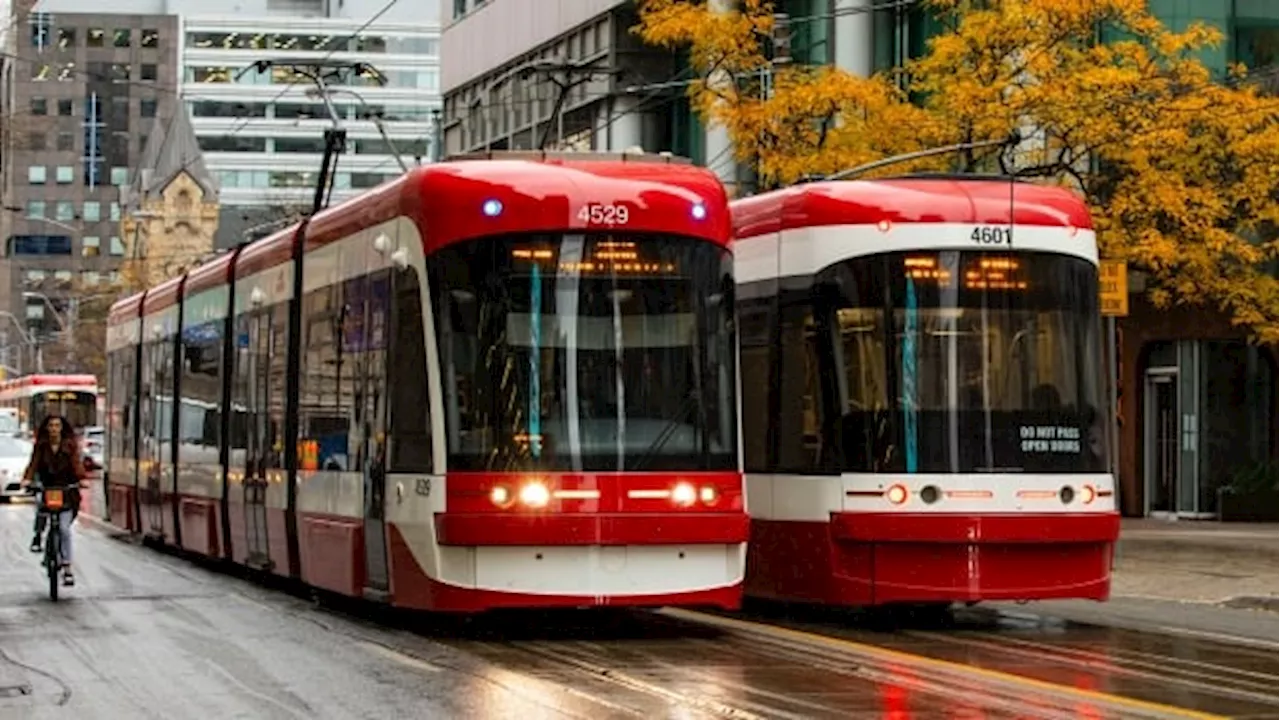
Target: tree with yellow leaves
[1179,167]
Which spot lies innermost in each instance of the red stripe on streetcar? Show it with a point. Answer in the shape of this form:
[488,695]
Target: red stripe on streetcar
[976,529]
[583,529]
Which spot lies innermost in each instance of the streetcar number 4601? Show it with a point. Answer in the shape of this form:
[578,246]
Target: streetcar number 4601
[992,235]
[604,214]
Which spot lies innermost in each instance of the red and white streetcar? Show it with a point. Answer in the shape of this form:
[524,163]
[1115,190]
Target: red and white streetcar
[34,397]
[924,408]
[489,383]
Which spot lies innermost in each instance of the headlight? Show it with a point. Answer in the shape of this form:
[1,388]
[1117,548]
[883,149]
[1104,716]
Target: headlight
[897,494]
[708,495]
[500,495]
[684,494]
[535,495]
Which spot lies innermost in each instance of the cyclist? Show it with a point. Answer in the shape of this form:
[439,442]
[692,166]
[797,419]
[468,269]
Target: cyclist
[55,459]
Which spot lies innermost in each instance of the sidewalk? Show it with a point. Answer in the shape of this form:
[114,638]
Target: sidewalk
[1229,564]
[1259,541]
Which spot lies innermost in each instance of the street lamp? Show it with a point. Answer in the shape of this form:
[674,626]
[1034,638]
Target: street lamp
[27,342]
[48,302]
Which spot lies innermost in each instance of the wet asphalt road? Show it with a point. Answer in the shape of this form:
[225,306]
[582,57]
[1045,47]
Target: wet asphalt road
[145,635]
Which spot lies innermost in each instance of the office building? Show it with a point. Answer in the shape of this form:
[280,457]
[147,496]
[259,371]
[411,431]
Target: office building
[62,161]
[82,89]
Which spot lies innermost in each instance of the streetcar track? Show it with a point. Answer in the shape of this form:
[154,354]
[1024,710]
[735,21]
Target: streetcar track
[955,673]
[1210,680]
[1130,661]
[1206,680]
[603,663]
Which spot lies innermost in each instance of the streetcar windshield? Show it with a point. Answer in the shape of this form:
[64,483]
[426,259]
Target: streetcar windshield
[79,408]
[587,352]
[966,362]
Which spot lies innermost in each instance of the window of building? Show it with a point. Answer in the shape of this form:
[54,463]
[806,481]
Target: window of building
[62,276]
[119,72]
[115,212]
[41,72]
[35,208]
[113,277]
[33,278]
[232,143]
[366,180]
[66,141]
[371,44]
[212,108]
[147,72]
[65,210]
[204,74]
[91,246]
[96,37]
[92,211]
[41,28]
[413,46]
[90,278]
[39,106]
[459,8]
[150,38]
[117,247]
[41,245]
[147,109]
[36,141]
[36,174]
[119,176]
[299,145]
[66,38]
[64,174]
[122,38]
[290,179]
[227,41]
[66,72]
[66,107]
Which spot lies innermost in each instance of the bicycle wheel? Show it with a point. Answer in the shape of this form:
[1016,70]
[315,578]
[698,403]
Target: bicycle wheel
[53,550]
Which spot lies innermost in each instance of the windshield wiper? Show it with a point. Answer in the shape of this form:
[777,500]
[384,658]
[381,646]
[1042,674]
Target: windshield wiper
[668,430]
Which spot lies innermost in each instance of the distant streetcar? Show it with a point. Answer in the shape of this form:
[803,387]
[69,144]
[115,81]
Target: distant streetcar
[489,383]
[924,408]
[33,397]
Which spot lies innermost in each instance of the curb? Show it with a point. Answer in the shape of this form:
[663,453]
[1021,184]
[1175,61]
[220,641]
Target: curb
[1162,547]
[1262,603]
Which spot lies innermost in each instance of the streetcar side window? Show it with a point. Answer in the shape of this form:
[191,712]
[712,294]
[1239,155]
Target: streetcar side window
[411,445]
[755,320]
[799,417]
[324,418]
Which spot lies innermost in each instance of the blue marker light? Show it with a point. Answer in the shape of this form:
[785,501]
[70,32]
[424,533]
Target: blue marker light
[699,211]
[491,208]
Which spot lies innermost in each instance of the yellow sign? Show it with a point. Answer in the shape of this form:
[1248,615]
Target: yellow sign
[1113,288]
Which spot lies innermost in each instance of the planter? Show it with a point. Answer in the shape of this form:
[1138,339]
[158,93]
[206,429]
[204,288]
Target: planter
[1248,506]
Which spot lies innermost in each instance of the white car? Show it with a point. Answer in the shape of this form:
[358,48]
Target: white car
[14,455]
[93,450]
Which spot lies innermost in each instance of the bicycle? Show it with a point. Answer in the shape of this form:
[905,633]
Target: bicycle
[53,502]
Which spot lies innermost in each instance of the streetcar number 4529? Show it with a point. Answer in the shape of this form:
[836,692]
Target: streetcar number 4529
[992,235]
[604,214]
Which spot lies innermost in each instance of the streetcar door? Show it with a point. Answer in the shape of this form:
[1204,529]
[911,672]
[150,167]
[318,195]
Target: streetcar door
[1161,442]
[258,452]
[156,429]
[373,416]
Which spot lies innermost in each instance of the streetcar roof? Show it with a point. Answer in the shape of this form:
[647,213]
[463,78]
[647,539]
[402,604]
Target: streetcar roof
[916,199]
[453,200]
[162,295]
